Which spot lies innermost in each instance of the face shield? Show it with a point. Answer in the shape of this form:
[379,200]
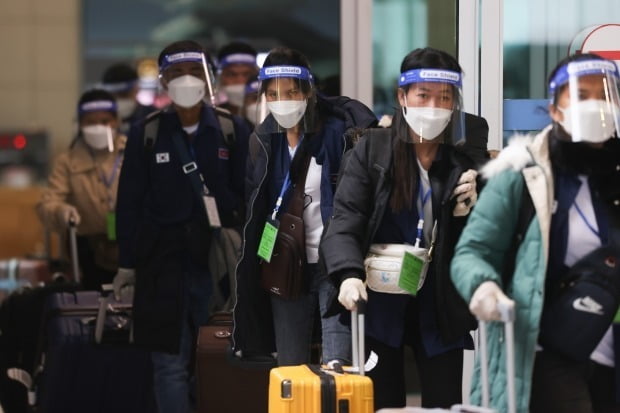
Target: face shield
[289,96]
[431,106]
[586,95]
[254,110]
[96,134]
[189,78]
[234,72]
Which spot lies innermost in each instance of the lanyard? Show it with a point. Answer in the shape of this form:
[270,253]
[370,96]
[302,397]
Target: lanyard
[585,220]
[423,200]
[109,181]
[285,185]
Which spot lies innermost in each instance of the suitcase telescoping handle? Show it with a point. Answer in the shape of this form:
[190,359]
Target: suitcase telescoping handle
[507,312]
[74,251]
[357,337]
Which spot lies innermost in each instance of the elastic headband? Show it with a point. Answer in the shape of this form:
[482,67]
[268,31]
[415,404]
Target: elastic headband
[581,68]
[243,58]
[96,106]
[171,59]
[429,75]
[297,72]
[119,86]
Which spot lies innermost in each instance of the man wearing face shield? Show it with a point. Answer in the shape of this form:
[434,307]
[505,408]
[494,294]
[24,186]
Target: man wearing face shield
[404,186]
[121,80]
[181,184]
[236,66]
[301,137]
[569,176]
[82,188]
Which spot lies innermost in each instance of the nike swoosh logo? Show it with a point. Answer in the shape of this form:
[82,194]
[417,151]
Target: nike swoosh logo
[588,305]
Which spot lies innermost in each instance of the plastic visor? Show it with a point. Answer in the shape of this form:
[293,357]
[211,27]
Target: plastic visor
[195,57]
[287,96]
[433,107]
[593,111]
[254,109]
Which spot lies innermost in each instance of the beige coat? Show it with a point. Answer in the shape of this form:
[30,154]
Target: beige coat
[78,178]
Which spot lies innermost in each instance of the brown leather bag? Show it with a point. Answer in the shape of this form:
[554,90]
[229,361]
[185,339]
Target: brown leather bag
[284,275]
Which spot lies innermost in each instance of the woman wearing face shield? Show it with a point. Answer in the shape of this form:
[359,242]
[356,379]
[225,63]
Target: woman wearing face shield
[301,136]
[82,188]
[404,187]
[570,171]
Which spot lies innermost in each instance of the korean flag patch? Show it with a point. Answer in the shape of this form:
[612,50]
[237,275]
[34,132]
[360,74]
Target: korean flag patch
[223,154]
[162,157]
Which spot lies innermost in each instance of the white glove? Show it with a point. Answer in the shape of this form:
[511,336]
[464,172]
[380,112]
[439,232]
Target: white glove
[69,215]
[484,302]
[465,193]
[123,283]
[351,291]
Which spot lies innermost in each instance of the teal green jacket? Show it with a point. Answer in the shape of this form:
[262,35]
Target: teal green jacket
[484,244]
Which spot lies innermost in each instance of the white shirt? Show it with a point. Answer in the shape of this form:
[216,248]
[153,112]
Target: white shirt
[313,222]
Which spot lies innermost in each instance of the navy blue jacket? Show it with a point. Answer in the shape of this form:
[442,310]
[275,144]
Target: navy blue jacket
[161,221]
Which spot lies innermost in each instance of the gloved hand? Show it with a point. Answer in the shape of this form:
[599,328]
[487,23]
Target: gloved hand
[351,290]
[465,193]
[123,283]
[69,215]
[483,303]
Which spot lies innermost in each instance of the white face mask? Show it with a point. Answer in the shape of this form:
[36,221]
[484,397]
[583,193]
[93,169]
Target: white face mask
[427,122]
[186,91]
[235,94]
[595,118]
[99,137]
[287,112]
[252,113]
[125,107]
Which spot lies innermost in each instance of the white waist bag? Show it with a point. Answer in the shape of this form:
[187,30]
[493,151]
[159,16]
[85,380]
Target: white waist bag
[383,266]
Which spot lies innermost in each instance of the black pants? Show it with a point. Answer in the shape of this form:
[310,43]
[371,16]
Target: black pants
[440,376]
[563,385]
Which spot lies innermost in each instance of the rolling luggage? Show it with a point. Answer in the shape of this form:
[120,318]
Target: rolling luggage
[220,375]
[88,362]
[507,312]
[317,389]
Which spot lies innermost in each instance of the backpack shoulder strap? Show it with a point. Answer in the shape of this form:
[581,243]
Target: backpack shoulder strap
[151,126]
[225,118]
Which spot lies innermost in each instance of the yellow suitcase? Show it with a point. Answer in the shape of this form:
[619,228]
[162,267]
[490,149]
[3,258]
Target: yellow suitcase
[318,389]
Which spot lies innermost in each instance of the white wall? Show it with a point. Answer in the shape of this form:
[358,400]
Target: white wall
[40,66]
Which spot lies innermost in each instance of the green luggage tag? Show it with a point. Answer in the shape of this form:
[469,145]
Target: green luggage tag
[268,240]
[111,225]
[410,272]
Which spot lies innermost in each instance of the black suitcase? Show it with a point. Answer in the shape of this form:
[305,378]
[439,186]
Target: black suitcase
[86,368]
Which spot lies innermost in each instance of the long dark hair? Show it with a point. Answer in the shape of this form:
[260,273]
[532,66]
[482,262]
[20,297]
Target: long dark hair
[405,170]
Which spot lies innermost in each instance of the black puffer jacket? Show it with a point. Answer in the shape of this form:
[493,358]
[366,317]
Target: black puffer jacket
[360,203]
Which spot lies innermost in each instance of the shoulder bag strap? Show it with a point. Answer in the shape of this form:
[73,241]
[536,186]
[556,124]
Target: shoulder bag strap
[189,166]
[296,206]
